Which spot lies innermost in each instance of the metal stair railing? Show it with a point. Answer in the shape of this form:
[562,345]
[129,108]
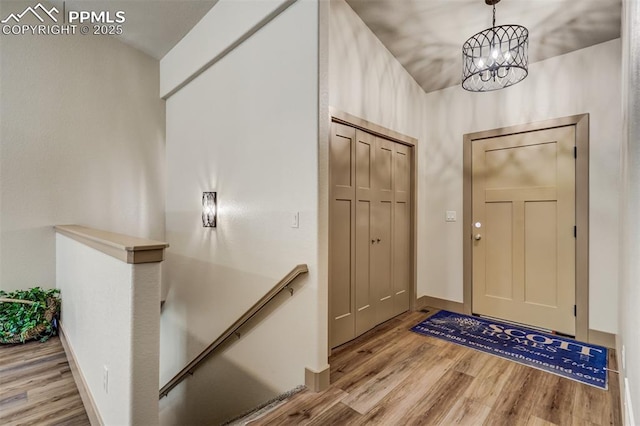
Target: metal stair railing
[188,370]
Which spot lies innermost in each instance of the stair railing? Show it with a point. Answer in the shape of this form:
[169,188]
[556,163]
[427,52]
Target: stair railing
[284,283]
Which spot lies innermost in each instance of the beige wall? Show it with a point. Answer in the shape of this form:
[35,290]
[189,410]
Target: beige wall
[366,81]
[629,337]
[81,141]
[247,128]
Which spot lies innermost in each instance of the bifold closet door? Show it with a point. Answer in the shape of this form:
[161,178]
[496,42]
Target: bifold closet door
[370,242]
[365,221]
[342,318]
[402,252]
[381,249]
[391,255]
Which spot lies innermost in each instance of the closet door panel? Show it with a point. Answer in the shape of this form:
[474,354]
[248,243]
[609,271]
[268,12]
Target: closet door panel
[383,218]
[341,235]
[402,259]
[402,173]
[365,300]
[384,169]
[381,262]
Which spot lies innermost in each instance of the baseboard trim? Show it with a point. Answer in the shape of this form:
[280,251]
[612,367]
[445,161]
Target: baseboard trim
[87,400]
[621,378]
[602,338]
[434,302]
[316,381]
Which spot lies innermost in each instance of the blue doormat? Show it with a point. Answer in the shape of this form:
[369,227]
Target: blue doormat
[568,358]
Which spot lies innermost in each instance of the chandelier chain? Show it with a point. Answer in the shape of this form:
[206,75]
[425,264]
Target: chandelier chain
[493,25]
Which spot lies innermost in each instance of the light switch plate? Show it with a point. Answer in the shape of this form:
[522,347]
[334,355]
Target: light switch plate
[450,216]
[105,379]
[295,220]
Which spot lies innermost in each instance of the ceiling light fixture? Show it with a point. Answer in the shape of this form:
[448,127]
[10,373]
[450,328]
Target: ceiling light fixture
[496,57]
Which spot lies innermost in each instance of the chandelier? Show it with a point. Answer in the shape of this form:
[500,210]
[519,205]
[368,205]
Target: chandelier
[496,57]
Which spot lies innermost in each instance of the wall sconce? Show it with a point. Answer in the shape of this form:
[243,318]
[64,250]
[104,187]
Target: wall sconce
[209,209]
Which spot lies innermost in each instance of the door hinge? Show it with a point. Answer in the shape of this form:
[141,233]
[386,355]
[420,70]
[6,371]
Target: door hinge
[575,310]
[575,232]
[575,152]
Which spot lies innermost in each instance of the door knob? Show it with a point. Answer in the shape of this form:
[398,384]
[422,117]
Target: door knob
[373,241]
[378,240]
[477,237]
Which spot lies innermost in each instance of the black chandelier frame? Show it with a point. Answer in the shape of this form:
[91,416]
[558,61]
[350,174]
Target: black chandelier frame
[495,58]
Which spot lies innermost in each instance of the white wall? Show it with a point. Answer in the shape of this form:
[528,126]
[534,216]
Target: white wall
[81,141]
[110,319]
[213,35]
[629,337]
[246,128]
[570,84]
[366,81]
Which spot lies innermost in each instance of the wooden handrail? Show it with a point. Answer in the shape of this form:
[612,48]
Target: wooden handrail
[195,363]
[7,300]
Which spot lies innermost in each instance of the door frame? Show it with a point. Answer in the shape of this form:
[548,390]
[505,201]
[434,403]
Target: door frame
[347,119]
[581,124]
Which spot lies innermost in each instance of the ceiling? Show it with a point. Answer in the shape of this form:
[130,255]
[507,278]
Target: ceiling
[153,26]
[426,36]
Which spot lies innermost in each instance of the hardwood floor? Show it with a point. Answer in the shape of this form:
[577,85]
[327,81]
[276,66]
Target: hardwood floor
[36,386]
[392,376]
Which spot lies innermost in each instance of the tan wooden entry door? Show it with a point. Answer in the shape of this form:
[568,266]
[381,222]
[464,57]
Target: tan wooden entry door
[523,201]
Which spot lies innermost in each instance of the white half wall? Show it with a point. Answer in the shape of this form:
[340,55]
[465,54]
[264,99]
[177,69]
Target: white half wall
[368,82]
[110,319]
[246,128]
[81,141]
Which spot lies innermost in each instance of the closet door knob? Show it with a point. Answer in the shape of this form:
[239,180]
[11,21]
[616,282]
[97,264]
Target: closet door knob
[378,240]
[373,241]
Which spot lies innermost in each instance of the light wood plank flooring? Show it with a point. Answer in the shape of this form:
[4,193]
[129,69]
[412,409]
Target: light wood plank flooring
[392,376]
[36,386]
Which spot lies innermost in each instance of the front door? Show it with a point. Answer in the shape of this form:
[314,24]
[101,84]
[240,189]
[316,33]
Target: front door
[523,219]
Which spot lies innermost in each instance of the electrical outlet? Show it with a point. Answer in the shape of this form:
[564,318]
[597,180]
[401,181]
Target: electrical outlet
[450,216]
[105,379]
[295,220]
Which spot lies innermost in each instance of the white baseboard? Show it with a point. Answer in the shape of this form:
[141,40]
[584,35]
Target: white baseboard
[87,400]
[629,418]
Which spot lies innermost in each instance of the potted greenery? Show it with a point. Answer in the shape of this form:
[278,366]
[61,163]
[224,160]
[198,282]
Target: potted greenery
[28,314]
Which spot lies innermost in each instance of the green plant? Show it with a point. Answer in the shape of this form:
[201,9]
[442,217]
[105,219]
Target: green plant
[28,314]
